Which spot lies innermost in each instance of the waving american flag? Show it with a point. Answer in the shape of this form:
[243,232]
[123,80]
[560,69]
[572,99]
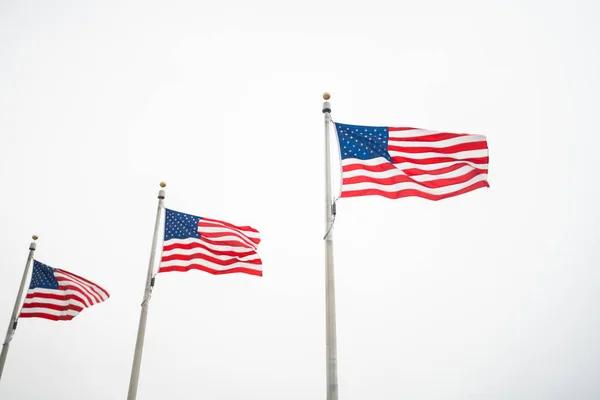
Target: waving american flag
[59,295]
[402,162]
[209,245]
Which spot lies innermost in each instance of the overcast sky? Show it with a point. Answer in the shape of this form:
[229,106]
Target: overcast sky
[489,295]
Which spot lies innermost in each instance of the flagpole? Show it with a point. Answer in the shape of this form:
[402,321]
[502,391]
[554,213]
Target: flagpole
[139,344]
[331,337]
[12,326]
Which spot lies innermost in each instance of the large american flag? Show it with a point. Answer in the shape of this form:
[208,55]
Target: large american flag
[402,162]
[208,245]
[59,295]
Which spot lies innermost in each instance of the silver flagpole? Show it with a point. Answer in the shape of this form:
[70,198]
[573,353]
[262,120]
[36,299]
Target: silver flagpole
[12,326]
[139,344]
[332,382]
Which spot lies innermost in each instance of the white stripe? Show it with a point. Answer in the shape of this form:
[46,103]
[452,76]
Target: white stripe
[440,143]
[412,133]
[45,291]
[458,156]
[426,132]
[407,165]
[248,233]
[411,185]
[29,311]
[200,250]
[54,301]
[216,247]
[211,265]
[398,172]
[370,162]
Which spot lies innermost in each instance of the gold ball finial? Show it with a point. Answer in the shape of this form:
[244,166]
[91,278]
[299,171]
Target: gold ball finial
[162,184]
[35,237]
[326,96]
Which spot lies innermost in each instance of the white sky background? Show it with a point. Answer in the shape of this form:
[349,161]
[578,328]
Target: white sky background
[490,295]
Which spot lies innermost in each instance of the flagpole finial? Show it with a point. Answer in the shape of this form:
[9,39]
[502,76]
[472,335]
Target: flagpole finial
[32,245]
[326,105]
[163,184]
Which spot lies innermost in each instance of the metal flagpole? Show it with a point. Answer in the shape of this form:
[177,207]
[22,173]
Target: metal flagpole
[12,326]
[332,383]
[139,344]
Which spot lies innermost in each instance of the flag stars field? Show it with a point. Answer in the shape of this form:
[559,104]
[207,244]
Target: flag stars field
[179,225]
[361,145]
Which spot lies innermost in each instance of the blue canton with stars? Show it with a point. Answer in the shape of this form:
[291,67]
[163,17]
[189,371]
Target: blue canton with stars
[42,277]
[363,142]
[181,226]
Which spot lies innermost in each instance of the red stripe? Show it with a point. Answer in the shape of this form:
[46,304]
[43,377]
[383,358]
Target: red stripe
[413,192]
[437,183]
[53,306]
[200,256]
[436,160]
[185,246]
[48,316]
[211,271]
[373,168]
[442,150]
[435,137]
[197,245]
[243,228]
[392,129]
[31,295]
[85,280]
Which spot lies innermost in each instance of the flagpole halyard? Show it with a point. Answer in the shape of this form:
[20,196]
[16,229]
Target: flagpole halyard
[331,336]
[12,326]
[139,344]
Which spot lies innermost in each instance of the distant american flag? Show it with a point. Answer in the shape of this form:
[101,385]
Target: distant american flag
[208,245]
[402,162]
[59,295]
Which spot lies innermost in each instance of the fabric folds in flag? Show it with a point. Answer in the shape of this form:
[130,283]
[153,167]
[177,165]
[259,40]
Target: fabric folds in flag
[402,162]
[209,245]
[59,295]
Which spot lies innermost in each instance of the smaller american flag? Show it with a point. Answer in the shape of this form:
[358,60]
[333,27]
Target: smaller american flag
[208,245]
[59,295]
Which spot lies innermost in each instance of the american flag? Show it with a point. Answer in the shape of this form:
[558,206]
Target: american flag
[208,245]
[402,162]
[59,295]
